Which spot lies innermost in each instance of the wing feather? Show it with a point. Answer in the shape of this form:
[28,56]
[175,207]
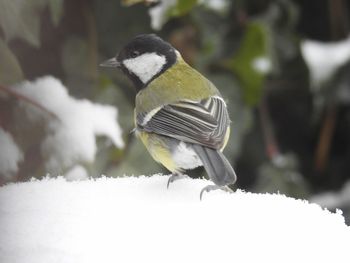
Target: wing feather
[204,122]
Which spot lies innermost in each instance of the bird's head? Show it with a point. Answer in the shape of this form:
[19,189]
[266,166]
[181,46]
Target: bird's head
[143,59]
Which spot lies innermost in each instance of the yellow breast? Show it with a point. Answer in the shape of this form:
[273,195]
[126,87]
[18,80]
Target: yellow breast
[158,149]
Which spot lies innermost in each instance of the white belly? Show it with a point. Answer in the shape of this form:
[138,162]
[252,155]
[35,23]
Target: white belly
[185,157]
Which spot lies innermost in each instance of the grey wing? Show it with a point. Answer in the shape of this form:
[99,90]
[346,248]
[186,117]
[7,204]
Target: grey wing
[204,122]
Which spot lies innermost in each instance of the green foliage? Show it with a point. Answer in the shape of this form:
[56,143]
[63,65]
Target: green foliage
[56,10]
[255,46]
[79,69]
[133,2]
[19,19]
[10,69]
[182,7]
[136,162]
[282,177]
[110,93]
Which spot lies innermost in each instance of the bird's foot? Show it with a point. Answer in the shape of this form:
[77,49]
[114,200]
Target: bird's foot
[175,177]
[209,188]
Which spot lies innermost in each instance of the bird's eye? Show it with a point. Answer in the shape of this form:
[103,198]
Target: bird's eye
[134,53]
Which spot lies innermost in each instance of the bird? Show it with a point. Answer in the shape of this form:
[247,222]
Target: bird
[180,116]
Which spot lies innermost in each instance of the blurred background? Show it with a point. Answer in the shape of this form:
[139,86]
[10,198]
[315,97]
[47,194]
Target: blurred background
[282,65]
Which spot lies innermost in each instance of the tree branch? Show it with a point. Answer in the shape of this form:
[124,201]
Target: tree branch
[22,97]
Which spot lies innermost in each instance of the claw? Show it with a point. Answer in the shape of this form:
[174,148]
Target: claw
[209,188]
[175,177]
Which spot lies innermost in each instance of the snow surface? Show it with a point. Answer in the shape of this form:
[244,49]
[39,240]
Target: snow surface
[71,138]
[10,154]
[323,59]
[138,220]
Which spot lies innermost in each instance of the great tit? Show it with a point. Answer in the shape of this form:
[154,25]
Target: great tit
[180,116]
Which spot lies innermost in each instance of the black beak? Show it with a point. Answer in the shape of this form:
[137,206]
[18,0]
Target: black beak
[111,63]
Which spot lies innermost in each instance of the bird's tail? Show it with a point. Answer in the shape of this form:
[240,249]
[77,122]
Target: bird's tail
[216,165]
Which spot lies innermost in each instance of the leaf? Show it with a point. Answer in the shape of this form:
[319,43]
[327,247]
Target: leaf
[10,69]
[75,58]
[134,2]
[182,7]
[282,176]
[136,160]
[167,9]
[252,62]
[56,10]
[112,94]
[20,19]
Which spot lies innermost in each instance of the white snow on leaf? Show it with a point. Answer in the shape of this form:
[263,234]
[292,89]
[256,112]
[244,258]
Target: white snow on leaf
[333,200]
[10,155]
[323,59]
[71,138]
[139,220]
[159,13]
[262,65]
[217,5]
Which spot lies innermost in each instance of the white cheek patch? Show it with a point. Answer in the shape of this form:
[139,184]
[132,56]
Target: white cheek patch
[145,66]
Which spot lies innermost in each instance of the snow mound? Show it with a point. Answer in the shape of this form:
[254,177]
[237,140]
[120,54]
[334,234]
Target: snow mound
[139,220]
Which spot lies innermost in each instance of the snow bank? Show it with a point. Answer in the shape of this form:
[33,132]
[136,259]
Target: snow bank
[139,220]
